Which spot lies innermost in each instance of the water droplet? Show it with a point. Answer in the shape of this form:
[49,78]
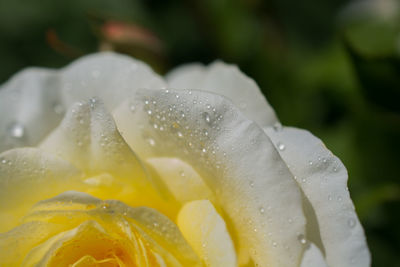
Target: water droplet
[329,197]
[274,244]
[17,130]
[132,108]
[180,135]
[92,102]
[204,150]
[155,126]
[251,184]
[310,163]
[3,161]
[149,112]
[339,198]
[146,102]
[208,106]
[281,146]
[351,222]
[262,210]
[151,141]
[207,117]
[302,239]
[166,91]
[290,220]
[177,96]
[277,127]
[182,173]
[335,169]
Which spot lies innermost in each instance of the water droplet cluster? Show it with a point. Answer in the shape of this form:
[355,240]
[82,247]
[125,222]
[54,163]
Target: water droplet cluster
[172,124]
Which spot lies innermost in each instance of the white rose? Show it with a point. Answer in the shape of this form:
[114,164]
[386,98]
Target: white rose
[116,166]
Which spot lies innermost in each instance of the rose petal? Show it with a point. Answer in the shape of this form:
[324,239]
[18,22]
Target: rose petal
[323,179]
[28,175]
[206,232]
[313,257]
[181,179]
[88,138]
[17,243]
[34,94]
[235,158]
[74,209]
[106,75]
[229,81]
[27,98]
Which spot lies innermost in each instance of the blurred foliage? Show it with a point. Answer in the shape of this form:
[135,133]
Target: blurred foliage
[332,67]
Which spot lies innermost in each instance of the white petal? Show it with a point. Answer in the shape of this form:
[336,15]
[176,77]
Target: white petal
[313,257]
[88,138]
[206,232]
[323,179]
[106,75]
[235,158]
[25,100]
[229,81]
[33,102]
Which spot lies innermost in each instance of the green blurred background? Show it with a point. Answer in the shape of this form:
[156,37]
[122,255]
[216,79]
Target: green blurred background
[332,67]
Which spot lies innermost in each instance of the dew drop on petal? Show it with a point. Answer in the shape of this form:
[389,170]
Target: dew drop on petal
[277,127]
[302,239]
[281,146]
[151,141]
[17,130]
[207,117]
[351,222]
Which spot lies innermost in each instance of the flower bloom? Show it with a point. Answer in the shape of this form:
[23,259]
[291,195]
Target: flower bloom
[104,163]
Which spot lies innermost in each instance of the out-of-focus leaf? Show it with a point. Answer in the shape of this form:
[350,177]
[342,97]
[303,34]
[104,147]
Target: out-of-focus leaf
[371,32]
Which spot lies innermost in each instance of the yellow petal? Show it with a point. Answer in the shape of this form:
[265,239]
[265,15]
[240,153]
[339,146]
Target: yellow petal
[206,232]
[181,179]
